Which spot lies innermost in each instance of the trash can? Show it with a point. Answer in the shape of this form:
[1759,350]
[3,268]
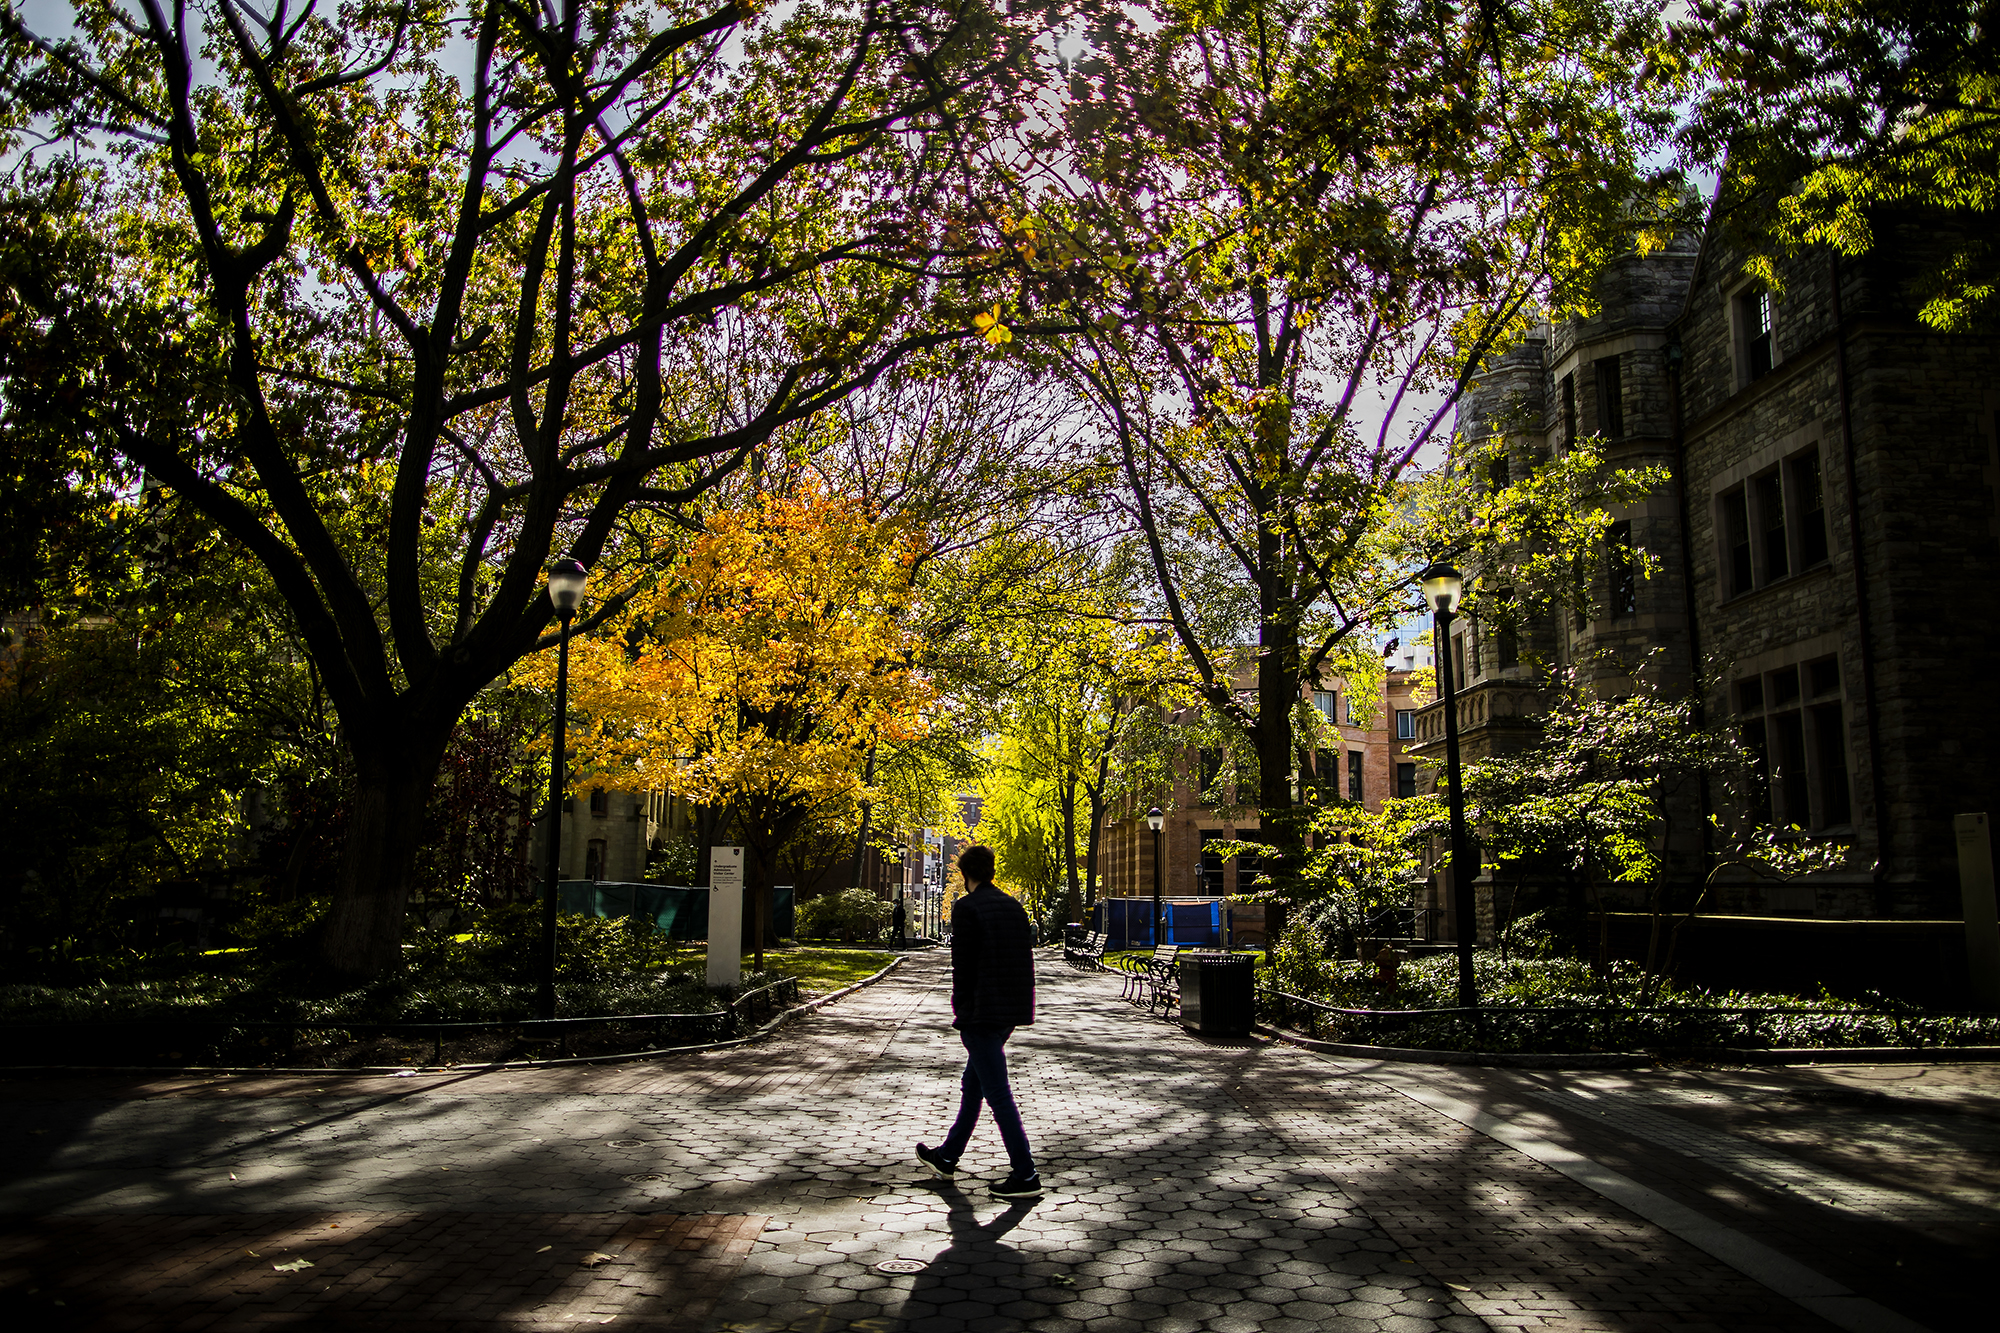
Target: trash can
[1218,994]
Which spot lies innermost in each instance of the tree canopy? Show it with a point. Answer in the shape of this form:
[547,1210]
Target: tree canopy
[1288,234]
[1822,113]
[408,299]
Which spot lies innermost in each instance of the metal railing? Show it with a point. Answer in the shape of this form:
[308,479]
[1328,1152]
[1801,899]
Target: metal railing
[222,1039]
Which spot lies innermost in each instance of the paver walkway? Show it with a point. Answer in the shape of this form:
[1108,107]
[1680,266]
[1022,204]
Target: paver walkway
[1196,1185]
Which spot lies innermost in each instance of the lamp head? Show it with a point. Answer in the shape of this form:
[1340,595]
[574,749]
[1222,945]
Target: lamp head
[566,582]
[1155,820]
[1443,587]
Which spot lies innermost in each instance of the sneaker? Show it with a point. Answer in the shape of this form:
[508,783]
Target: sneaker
[937,1161]
[1018,1187]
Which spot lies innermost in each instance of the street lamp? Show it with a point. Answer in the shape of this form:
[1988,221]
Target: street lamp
[1156,821]
[566,583]
[903,885]
[1443,587]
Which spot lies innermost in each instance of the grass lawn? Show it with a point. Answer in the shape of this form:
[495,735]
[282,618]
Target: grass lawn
[1121,957]
[820,970]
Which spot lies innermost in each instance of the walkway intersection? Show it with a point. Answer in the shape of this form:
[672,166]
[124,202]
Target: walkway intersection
[1195,1185]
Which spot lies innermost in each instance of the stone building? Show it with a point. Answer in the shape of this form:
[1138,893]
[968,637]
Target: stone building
[1826,546]
[609,833]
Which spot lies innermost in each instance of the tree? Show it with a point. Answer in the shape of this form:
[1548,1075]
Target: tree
[422,285]
[1271,213]
[1020,819]
[137,736]
[1819,114]
[764,670]
[1599,793]
[1075,672]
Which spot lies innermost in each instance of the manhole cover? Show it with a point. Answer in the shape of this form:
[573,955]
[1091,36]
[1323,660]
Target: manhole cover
[901,1266]
[626,1143]
[645,1178]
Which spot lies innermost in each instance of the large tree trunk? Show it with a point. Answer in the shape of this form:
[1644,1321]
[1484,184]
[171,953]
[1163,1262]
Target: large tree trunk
[863,863]
[393,777]
[1073,899]
[1277,692]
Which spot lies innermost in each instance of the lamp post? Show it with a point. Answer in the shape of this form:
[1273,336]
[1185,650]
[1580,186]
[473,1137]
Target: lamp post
[566,583]
[1443,587]
[903,884]
[1156,821]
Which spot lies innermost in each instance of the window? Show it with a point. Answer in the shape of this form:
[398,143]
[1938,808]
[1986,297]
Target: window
[1567,394]
[1793,723]
[593,859]
[1736,542]
[1771,521]
[1211,861]
[1579,569]
[1506,644]
[1326,701]
[1830,739]
[1210,772]
[1624,570]
[1326,769]
[600,803]
[1406,780]
[1354,775]
[1753,315]
[1610,399]
[1497,479]
[1406,724]
[1458,661]
[1249,865]
[1809,501]
[1773,525]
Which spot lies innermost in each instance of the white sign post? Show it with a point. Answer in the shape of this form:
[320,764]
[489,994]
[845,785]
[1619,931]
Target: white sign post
[725,916]
[1982,926]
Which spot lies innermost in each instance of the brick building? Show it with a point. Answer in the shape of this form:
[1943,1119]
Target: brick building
[1827,550]
[1371,762]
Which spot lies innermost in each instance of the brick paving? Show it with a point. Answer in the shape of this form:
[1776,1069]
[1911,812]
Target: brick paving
[397,1272]
[1225,1186]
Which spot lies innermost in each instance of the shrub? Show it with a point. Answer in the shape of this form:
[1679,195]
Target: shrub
[853,914]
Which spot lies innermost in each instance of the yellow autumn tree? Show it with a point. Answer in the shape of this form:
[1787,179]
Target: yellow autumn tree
[774,653]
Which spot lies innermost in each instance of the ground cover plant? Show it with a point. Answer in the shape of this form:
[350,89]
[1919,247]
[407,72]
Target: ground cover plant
[1540,1001]
[217,1007]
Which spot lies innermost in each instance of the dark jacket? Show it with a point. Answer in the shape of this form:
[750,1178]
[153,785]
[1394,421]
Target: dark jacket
[992,961]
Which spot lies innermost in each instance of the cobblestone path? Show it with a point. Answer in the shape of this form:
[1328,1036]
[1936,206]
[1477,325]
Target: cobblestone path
[1195,1185]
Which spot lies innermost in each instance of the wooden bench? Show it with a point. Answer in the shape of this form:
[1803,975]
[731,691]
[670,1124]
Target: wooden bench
[1087,954]
[1147,982]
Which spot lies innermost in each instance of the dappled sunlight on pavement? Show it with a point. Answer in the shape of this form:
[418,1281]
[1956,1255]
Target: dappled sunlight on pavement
[1194,1185]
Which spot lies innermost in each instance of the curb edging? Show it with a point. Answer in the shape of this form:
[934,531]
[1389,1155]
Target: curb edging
[378,1071]
[1776,1055]
[1496,1059]
[1840,1055]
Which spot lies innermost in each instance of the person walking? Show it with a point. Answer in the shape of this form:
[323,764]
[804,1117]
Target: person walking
[898,919]
[992,993]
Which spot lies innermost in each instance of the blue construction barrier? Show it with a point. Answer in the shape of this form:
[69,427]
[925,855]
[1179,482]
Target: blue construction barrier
[1127,923]
[680,913]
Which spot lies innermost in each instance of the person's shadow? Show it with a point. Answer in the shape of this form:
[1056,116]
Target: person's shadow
[977,1269]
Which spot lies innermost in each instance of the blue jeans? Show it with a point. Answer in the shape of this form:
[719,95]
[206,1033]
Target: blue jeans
[985,1079]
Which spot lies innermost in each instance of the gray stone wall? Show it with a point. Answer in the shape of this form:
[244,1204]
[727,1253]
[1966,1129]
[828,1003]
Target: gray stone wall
[1920,408]
[1916,544]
